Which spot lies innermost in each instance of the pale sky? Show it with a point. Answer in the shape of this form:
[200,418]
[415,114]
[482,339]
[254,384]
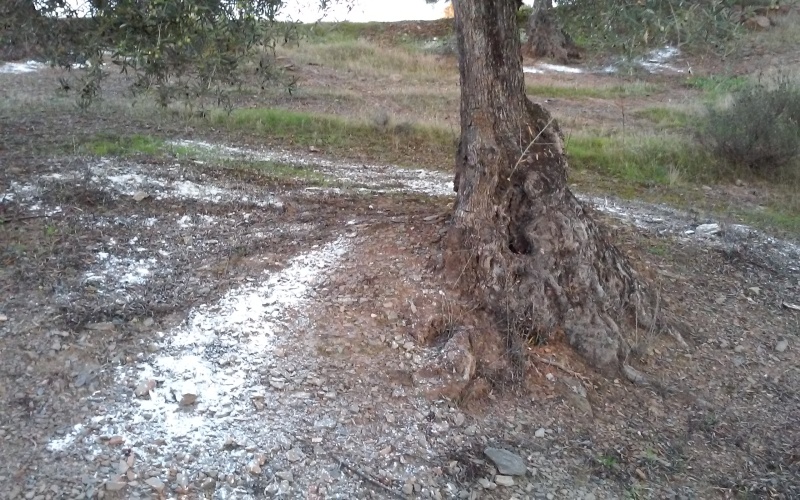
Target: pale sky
[368,10]
[362,11]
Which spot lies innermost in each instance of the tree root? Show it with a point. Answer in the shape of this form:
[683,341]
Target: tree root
[561,367]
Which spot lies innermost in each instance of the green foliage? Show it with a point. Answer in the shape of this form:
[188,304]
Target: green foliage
[188,50]
[759,128]
[113,145]
[523,14]
[717,84]
[632,26]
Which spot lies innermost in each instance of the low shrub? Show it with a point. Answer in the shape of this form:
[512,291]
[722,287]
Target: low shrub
[759,126]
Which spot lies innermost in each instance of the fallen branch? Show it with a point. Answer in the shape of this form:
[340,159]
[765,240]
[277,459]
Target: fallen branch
[21,218]
[366,477]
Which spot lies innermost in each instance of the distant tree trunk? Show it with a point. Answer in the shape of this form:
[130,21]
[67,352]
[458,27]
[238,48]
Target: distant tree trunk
[519,241]
[546,38]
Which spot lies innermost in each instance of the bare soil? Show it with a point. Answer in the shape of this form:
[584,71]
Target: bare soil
[181,328]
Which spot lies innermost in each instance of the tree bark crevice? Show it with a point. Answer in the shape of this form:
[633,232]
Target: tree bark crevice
[535,258]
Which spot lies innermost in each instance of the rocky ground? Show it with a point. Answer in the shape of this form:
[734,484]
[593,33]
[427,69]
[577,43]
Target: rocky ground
[174,329]
[188,326]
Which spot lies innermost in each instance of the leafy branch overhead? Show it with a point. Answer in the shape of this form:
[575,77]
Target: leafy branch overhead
[177,49]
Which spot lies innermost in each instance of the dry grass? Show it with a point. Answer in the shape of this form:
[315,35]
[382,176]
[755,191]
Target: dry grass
[366,59]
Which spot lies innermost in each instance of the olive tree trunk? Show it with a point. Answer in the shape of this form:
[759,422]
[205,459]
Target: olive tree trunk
[519,241]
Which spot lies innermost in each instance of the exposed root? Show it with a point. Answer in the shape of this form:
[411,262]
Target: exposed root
[561,367]
[635,376]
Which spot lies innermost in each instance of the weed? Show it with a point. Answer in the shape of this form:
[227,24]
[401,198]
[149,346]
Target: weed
[608,461]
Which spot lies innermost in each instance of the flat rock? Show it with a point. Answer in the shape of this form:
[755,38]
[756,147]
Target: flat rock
[295,455]
[501,480]
[155,483]
[507,463]
[782,345]
[115,484]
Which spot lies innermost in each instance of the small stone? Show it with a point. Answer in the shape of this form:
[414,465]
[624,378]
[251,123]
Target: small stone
[408,488]
[155,483]
[390,418]
[285,475]
[754,290]
[143,390]
[707,229]
[471,430]
[782,345]
[507,463]
[325,423]
[739,348]
[102,327]
[115,440]
[209,484]
[115,483]
[140,195]
[295,455]
[501,480]
[3,317]
[458,420]
[540,432]
[254,468]
[188,399]
[486,484]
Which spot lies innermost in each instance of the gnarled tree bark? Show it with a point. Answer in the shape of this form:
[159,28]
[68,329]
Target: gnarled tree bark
[519,241]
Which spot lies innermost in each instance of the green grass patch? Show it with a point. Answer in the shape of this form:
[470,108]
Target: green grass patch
[717,84]
[665,117]
[113,145]
[634,89]
[652,159]
[403,143]
[282,171]
[336,32]
[781,218]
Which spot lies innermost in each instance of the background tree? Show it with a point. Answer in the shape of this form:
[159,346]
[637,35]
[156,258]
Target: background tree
[545,38]
[519,242]
[630,27]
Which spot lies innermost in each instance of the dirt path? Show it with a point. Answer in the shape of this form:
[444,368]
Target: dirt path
[177,329]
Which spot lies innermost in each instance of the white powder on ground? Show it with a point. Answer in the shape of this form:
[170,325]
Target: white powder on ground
[216,354]
[16,68]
